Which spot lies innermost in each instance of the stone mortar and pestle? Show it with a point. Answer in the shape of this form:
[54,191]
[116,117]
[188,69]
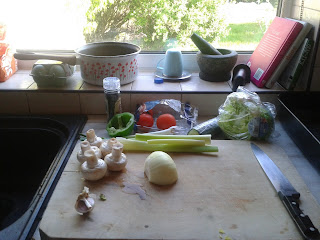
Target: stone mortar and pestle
[215,64]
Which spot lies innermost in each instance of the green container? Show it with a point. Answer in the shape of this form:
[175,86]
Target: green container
[49,73]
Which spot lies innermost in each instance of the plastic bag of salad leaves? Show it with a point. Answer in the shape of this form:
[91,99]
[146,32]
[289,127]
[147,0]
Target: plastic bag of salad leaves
[244,117]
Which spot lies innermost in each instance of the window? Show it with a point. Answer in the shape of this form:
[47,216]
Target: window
[155,25]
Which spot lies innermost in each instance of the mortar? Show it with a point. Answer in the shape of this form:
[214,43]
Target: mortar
[217,68]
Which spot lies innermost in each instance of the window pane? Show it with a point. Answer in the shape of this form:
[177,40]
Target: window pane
[155,25]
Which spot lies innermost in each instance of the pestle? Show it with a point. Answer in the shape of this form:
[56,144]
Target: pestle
[203,45]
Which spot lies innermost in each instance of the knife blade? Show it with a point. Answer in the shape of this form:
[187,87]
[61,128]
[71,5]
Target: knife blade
[287,193]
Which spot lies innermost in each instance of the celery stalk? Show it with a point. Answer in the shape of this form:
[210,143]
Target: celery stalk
[136,145]
[182,142]
[169,131]
[144,137]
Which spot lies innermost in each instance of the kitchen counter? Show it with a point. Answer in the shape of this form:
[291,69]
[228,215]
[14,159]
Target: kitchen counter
[24,97]
[169,213]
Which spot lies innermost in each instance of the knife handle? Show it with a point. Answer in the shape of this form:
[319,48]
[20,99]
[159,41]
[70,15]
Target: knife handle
[303,222]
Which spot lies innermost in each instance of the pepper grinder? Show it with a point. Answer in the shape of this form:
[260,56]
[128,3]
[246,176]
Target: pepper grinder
[111,86]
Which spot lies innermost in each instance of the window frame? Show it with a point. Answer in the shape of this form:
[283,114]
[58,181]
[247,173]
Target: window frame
[148,60]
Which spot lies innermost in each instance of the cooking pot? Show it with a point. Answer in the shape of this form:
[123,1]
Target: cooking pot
[98,61]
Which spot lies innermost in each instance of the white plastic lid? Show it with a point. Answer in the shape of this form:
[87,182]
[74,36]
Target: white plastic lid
[111,84]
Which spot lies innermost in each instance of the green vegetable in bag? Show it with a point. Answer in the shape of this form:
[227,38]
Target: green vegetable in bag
[244,116]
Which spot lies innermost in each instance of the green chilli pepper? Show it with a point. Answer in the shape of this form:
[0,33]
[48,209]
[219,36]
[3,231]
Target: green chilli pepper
[121,125]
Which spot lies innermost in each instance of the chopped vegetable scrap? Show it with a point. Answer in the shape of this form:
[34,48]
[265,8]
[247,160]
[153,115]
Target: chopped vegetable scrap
[102,197]
[221,233]
[82,137]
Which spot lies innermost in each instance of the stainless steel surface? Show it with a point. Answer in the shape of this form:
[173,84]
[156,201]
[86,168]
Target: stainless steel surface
[287,194]
[306,170]
[278,180]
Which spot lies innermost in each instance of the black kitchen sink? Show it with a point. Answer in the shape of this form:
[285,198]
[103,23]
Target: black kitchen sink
[34,151]
[299,114]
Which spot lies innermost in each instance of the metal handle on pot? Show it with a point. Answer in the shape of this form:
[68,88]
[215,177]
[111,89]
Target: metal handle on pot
[68,59]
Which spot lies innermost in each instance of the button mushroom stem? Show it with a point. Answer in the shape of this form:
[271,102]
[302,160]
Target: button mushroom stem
[116,160]
[85,146]
[117,152]
[92,138]
[92,159]
[93,168]
[106,147]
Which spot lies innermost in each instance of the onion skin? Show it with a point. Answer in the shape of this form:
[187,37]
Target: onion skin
[160,169]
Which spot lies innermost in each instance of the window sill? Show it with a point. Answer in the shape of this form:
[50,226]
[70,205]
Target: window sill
[22,81]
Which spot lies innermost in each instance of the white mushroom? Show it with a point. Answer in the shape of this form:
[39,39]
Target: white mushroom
[92,138]
[93,168]
[106,146]
[85,145]
[116,160]
[85,202]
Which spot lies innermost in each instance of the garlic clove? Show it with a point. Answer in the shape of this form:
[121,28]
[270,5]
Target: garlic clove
[85,202]
[84,205]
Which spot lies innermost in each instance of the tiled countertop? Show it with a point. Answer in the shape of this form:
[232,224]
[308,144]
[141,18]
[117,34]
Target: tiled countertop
[78,96]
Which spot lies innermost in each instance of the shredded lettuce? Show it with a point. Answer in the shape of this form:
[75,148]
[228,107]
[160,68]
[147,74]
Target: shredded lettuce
[242,117]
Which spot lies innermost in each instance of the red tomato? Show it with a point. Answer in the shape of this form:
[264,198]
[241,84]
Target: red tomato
[165,121]
[145,120]
[150,112]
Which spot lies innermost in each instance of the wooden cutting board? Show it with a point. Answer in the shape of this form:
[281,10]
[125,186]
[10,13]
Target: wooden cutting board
[225,191]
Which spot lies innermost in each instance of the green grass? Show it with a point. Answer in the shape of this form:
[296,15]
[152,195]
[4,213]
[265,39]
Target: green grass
[244,36]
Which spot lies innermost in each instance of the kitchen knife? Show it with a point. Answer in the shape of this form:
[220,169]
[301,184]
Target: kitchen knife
[286,192]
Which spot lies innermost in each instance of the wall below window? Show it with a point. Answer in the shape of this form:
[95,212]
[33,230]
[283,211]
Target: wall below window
[21,95]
